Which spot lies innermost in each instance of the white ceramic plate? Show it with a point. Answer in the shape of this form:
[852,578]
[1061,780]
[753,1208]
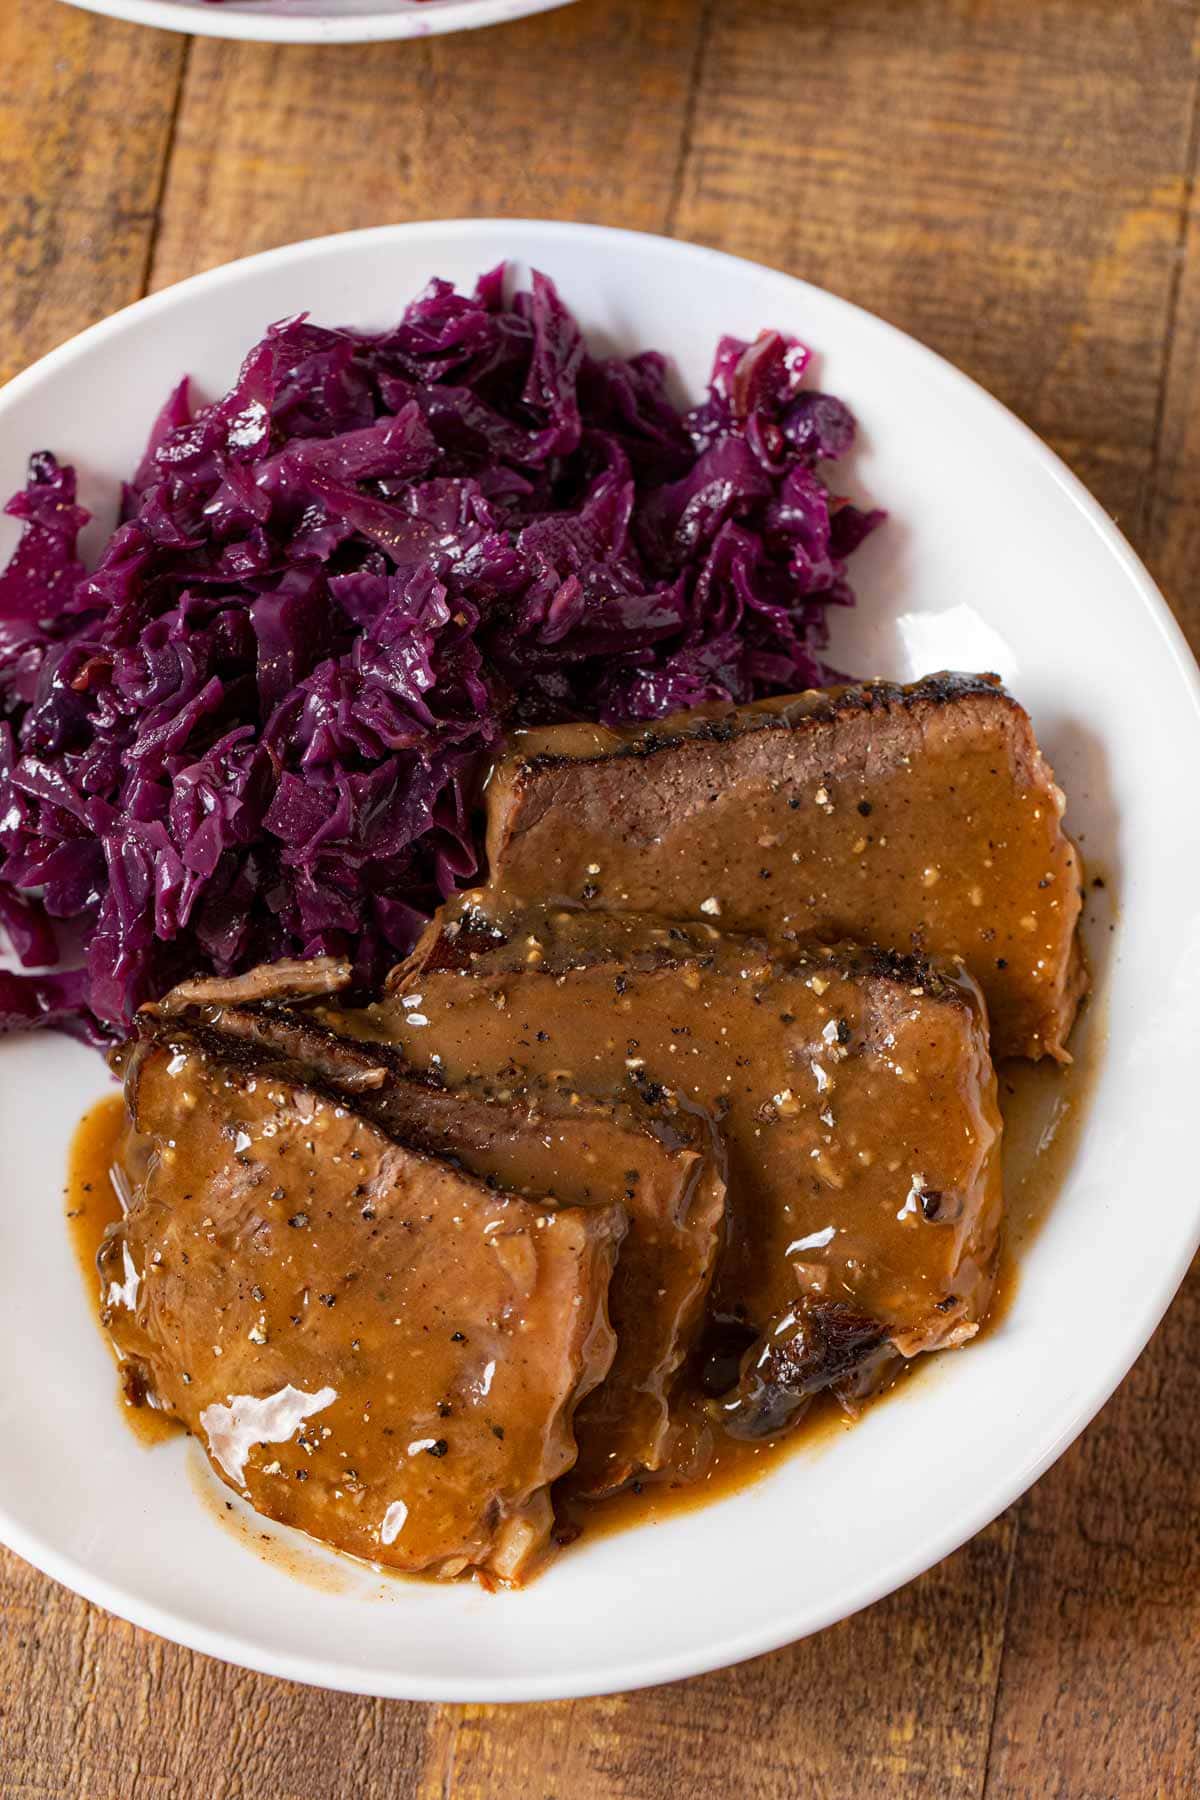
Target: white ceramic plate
[996,557]
[318,21]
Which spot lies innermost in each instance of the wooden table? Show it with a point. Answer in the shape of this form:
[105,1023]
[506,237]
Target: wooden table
[1014,182]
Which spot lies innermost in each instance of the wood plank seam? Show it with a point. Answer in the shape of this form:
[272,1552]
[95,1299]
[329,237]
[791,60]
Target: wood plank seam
[164,170]
[687,129]
[1016,1514]
[1171,313]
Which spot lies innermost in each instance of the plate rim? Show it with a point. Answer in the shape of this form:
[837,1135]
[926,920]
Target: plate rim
[901,1568]
[269,28]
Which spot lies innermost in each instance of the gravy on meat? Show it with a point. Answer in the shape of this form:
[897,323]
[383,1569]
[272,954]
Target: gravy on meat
[855,1094]
[918,818]
[679,1133]
[372,1344]
[1043,1106]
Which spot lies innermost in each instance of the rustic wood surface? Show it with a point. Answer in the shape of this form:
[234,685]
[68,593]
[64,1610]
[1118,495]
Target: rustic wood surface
[1015,183]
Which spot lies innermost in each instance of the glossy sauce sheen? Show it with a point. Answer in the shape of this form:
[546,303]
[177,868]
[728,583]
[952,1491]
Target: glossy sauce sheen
[92,1207]
[851,1088]
[373,1347]
[856,1095]
[920,817]
[1044,1109]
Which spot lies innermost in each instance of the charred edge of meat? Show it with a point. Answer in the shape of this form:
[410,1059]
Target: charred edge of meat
[244,1059]
[906,968]
[248,1056]
[357,1065]
[306,1054]
[364,1072]
[470,935]
[902,968]
[820,708]
[824,1344]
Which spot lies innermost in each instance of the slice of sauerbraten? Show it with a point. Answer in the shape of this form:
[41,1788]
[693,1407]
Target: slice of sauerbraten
[854,1090]
[370,1343]
[921,818]
[661,1160]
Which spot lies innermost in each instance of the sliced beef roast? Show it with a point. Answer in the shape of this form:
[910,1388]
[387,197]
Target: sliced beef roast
[920,818]
[854,1090]
[662,1161]
[370,1343]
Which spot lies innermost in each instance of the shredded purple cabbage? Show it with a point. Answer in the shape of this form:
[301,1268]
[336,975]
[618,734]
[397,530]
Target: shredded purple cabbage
[256,728]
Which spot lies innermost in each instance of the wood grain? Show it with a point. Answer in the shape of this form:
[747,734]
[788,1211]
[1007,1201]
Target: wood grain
[894,1703]
[523,120]
[1101,1667]
[93,1709]
[1173,535]
[1014,183]
[1003,180]
[85,113]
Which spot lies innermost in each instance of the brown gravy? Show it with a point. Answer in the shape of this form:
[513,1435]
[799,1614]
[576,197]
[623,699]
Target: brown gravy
[92,1206]
[1044,1107]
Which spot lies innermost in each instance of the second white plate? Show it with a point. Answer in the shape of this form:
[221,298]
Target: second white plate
[318,21]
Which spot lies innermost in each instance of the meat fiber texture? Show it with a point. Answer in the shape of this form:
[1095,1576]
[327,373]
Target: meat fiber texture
[371,1344]
[919,818]
[853,1087]
[661,1162]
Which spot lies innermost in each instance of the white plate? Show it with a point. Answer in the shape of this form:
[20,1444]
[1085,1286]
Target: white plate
[318,21]
[996,558]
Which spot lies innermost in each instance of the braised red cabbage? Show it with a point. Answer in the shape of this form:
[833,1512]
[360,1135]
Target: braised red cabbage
[256,727]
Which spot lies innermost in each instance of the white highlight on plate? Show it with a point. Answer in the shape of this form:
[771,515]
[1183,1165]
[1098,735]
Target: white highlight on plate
[233,1431]
[955,638]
